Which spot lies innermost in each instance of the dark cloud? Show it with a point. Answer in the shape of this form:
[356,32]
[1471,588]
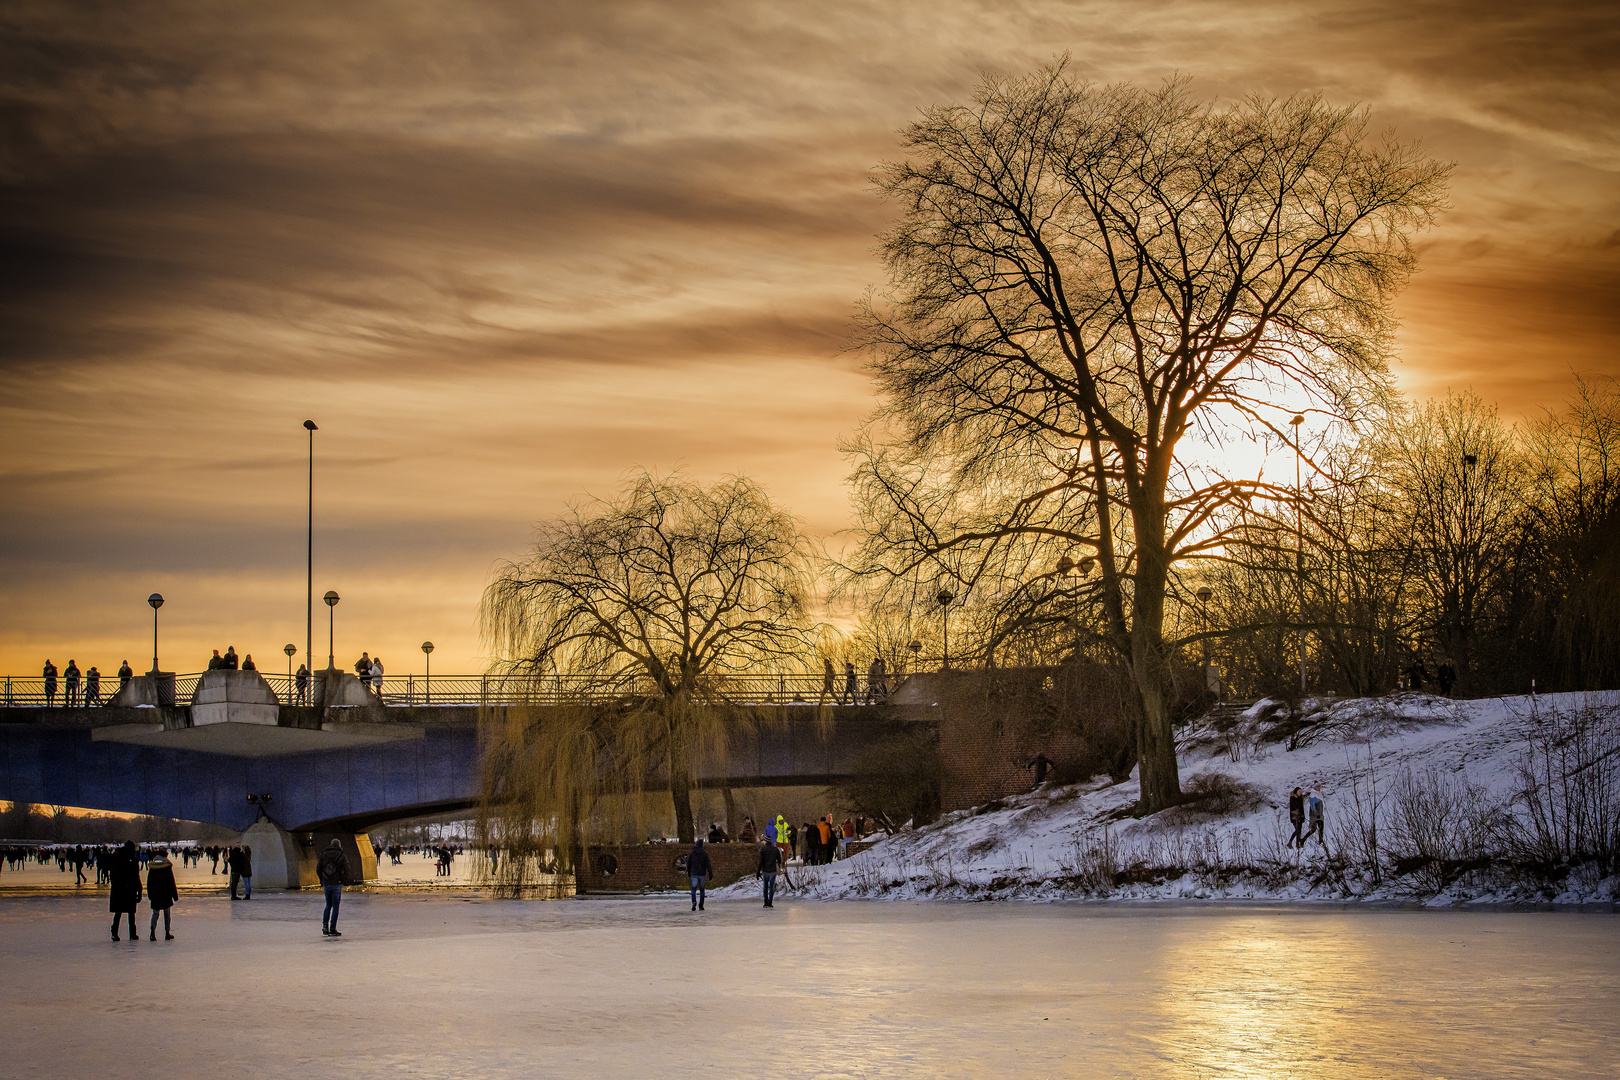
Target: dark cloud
[504,250]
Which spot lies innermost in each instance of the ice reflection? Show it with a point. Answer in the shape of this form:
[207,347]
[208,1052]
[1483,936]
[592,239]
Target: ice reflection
[1260,998]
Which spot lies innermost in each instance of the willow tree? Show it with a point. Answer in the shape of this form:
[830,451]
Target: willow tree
[1080,279]
[652,599]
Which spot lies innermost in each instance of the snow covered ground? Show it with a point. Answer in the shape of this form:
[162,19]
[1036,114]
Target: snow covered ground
[1442,775]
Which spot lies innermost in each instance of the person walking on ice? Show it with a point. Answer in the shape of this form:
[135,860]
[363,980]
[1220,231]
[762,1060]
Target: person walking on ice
[161,893]
[330,869]
[124,875]
[770,860]
[700,869]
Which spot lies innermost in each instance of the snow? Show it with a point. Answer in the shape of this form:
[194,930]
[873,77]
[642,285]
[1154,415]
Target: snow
[1044,845]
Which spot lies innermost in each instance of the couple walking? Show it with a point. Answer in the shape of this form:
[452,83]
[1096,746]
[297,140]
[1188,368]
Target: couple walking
[1303,805]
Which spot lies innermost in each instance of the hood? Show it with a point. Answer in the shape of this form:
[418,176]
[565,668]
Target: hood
[158,862]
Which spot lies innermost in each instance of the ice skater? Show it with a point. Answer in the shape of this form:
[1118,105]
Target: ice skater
[330,869]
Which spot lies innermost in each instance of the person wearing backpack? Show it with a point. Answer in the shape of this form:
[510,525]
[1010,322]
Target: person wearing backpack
[330,868]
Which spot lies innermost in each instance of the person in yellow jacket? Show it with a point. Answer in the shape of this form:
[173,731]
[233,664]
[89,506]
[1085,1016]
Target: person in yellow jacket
[782,837]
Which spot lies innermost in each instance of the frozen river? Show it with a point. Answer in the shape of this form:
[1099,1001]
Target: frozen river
[452,985]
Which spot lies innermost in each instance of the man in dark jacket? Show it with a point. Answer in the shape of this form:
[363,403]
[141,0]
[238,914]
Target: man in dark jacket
[125,673]
[770,858]
[49,673]
[125,896]
[700,869]
[1296,815]
[331,868]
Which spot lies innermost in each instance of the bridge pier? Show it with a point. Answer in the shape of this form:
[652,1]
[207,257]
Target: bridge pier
[284,860]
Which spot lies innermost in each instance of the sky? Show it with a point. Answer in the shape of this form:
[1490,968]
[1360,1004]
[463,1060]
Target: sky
[502,253]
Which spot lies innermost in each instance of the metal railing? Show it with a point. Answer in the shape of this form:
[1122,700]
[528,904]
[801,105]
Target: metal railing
[413,690]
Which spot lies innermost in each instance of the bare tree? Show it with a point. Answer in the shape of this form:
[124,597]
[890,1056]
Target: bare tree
[1462,480]
[1081,279]
[659,596]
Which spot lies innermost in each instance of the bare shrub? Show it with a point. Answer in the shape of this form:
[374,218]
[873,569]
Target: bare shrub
[1355,830]
[1440,828]
[1209,795]
[1568,802]
[1095,863]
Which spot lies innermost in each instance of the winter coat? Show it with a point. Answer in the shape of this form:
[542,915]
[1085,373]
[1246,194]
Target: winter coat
[160,888]
[1296,808]
[125,875]
[698,864]
[331,867]
[770,857]
[247,863]
[1315,805]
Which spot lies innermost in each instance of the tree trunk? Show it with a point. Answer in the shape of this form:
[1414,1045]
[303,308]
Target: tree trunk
[731,813]
[680,790]
[1155,742]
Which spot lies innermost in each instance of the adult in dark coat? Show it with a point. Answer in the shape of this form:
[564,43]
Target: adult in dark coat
[161,892]
[124,872]
[331,868]
[700,869]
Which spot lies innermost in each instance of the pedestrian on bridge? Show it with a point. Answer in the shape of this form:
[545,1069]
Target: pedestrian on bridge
[49,673]
[70,678]
[303,684]
[700,869]
[92,686]
[125,673]
[125,894]
[376,675]
[852,685]
[330,868]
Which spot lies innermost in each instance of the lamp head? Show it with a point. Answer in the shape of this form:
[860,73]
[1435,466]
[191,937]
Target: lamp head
[310,424]
[290,649]
[1065,564]
[1205,592]
[156,600]
[331,598]
[1296,421]
[427,646]
[915,647]
[944,597]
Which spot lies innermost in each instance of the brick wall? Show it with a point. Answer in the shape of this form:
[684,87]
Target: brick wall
[651,867]
[990,724]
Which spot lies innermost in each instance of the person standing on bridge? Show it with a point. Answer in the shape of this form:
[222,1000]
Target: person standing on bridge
[362,668]
[376,675]
[330,868]
[700,869]
[852,685]
[125,894]
[70,677]
[125,673]
[829,681]
[303,684]
[92,686]
[49,673]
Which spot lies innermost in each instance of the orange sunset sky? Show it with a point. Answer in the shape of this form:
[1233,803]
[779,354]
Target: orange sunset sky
[502,252]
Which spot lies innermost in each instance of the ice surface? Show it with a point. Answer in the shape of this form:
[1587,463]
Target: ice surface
[435,986]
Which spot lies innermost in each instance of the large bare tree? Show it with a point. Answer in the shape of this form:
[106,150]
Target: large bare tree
[1081,278]
[657,595]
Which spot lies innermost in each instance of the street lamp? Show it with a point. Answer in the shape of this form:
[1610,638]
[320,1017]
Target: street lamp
[1204,593]
[331,599]
[309,580]
[156,600]
[427,654]
[944,598]
[1299,550]
[291,650]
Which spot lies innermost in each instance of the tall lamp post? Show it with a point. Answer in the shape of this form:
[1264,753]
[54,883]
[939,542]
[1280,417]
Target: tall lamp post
[1299,550]
[309,580]
[291,650]
[156,600]
[944,598]
[427,655]
[1204,594]
[331,599]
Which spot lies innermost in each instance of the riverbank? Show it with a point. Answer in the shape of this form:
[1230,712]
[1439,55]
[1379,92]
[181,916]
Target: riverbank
[1428,800]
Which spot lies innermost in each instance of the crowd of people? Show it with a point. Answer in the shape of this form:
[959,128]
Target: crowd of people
[780,843]
[84,688]
[850,691]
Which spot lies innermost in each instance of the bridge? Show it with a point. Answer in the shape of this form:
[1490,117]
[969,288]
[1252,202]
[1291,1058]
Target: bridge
[340,769]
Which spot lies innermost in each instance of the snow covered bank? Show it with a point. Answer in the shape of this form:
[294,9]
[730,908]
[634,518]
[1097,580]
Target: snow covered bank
[1510,799]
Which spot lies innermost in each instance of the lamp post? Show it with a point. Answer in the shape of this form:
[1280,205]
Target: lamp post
[291,650]
[331,599]
[1204,593]
[944,598]
[1299,550]
[309,580]
[427,654]
[156,600]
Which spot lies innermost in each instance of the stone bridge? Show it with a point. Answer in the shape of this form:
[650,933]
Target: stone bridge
[336,770]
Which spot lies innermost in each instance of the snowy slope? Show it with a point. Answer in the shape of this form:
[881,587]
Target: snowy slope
[1076,841]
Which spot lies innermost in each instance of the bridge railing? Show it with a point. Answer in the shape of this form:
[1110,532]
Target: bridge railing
[781,688]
